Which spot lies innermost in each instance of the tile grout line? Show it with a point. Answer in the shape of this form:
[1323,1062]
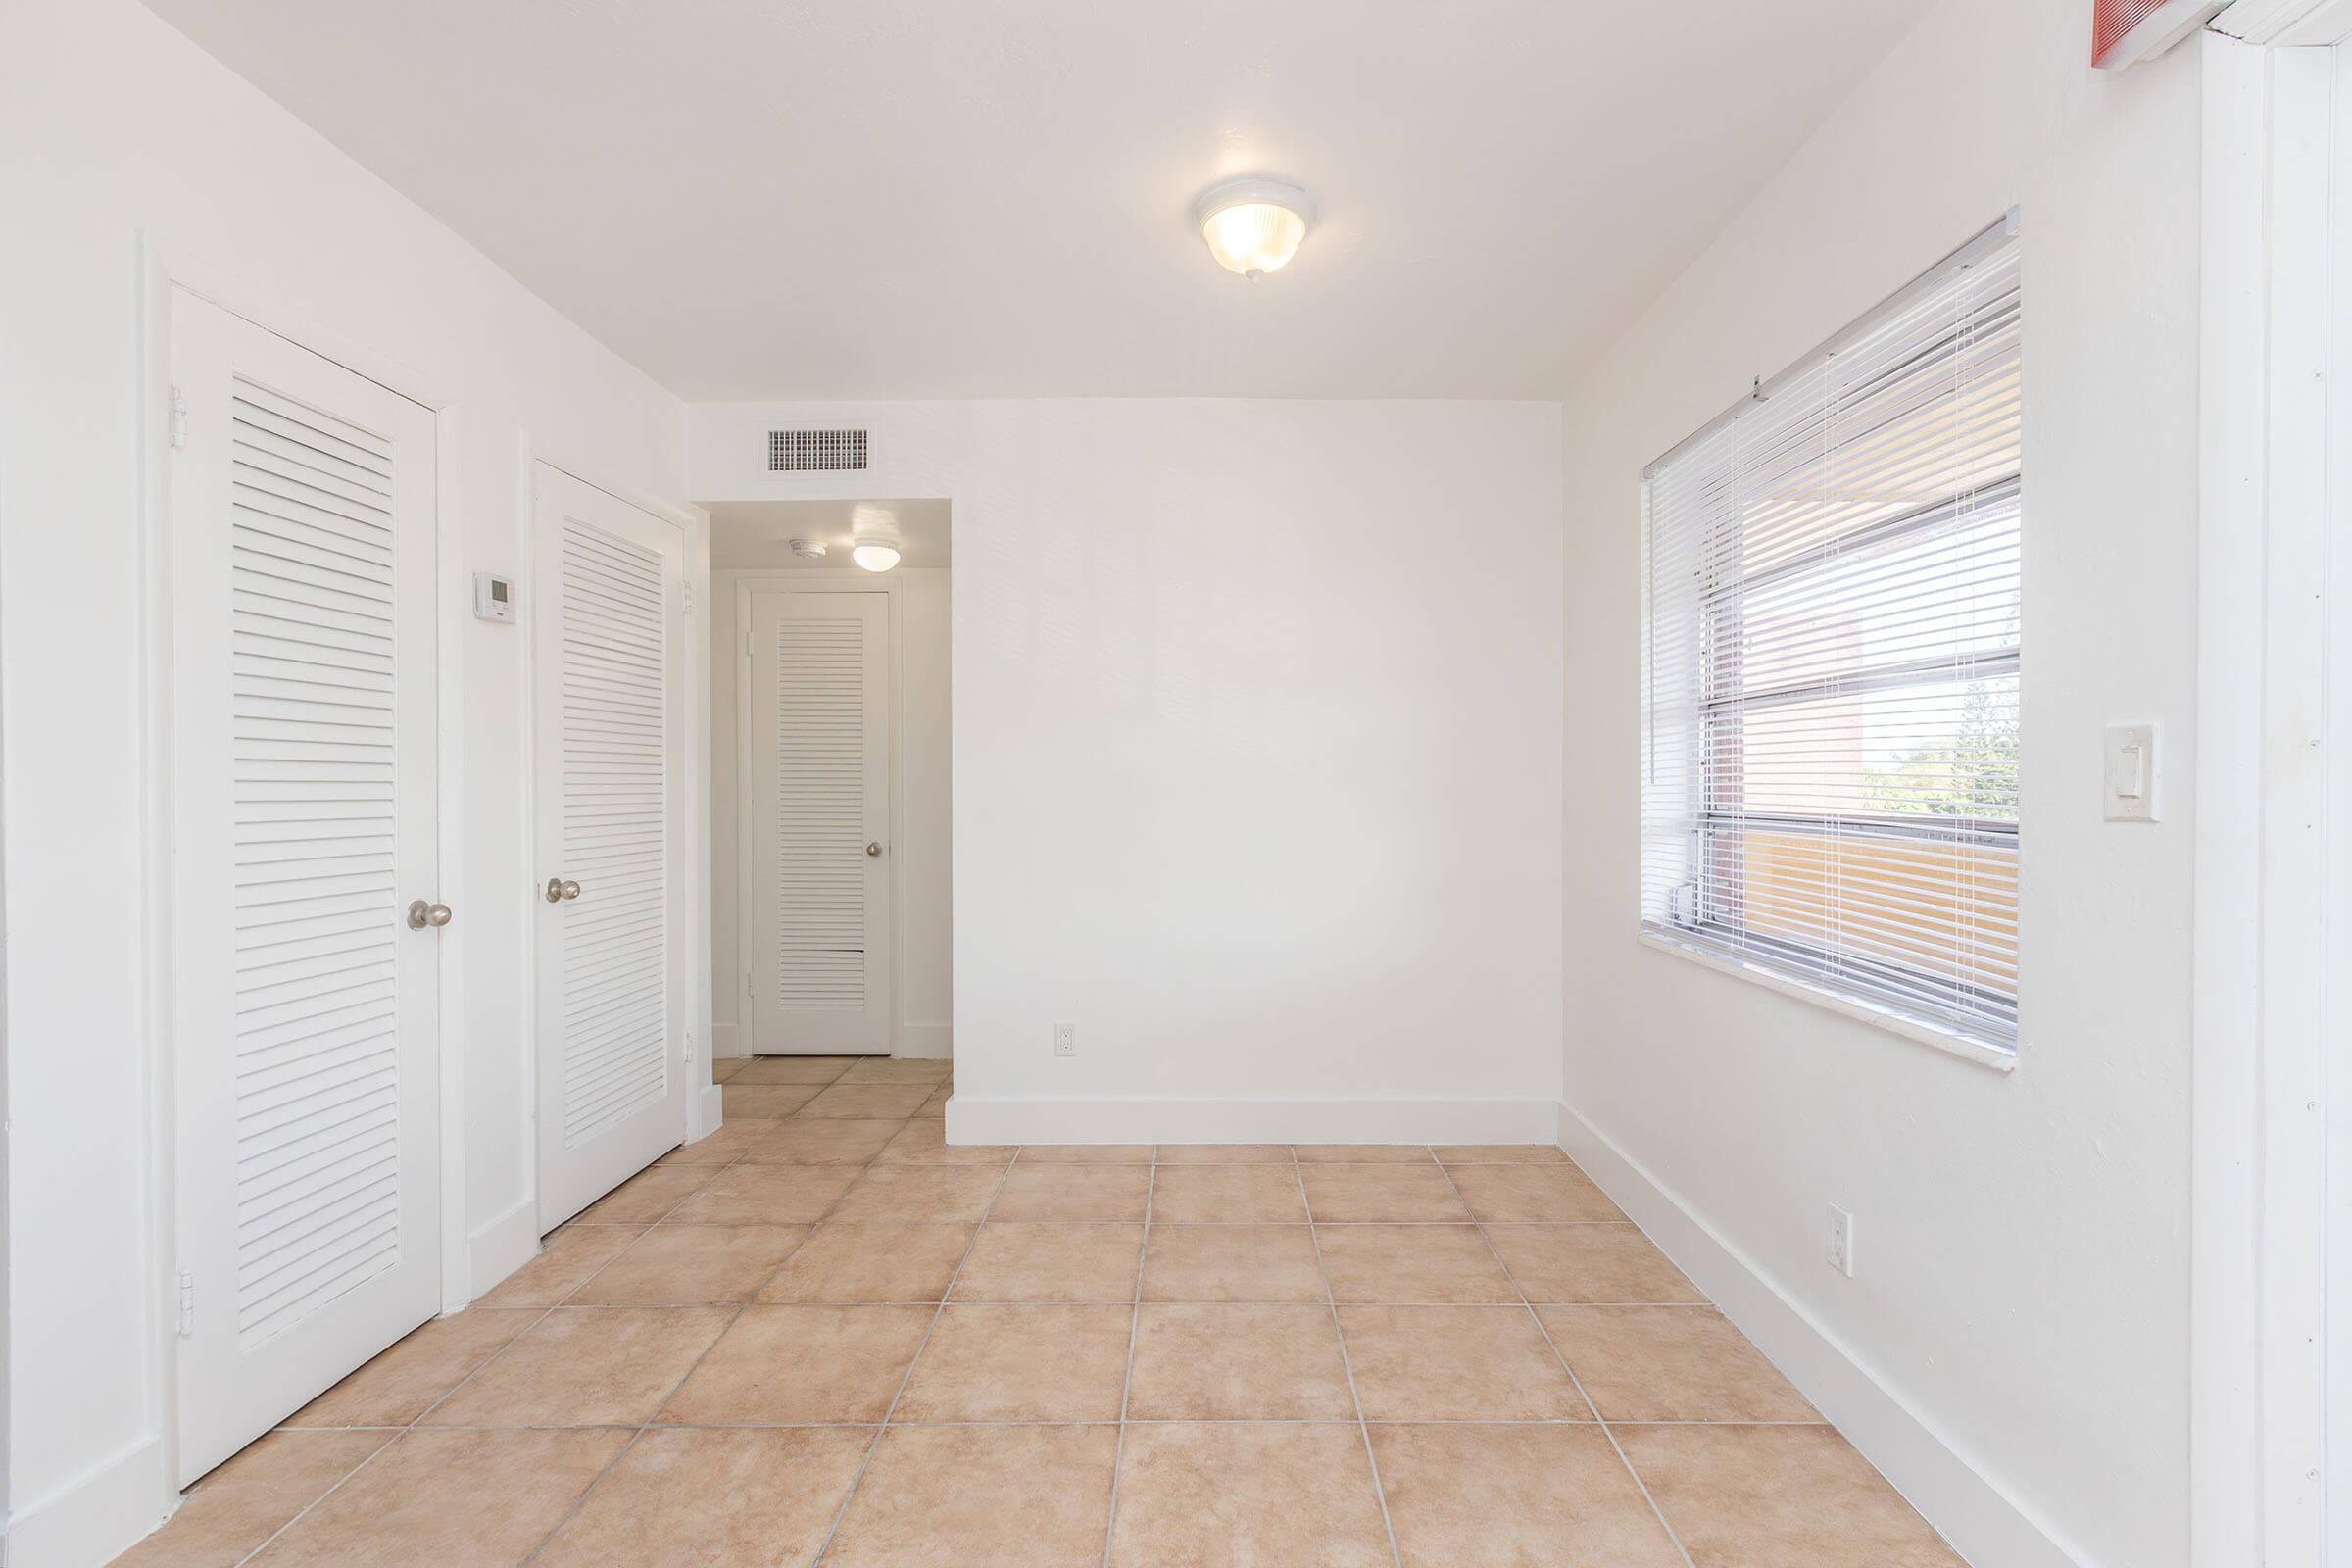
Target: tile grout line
[1107,1421]
[1135,1323]
[947,1293]
[1170,1225]
[1537,1318]
[1174,1224]
[742,1307]
[398,1433]
[392,1435]
[1331,1304]
[445,1396]
[442,1398]
[1112,1421]
[716,1169]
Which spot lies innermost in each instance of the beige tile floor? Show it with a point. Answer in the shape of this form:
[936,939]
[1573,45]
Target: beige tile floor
[824,1336]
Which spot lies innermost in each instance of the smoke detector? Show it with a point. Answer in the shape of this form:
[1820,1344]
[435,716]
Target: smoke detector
[809,549]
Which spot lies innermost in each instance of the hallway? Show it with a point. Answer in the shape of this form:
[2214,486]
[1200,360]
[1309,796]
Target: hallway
[821,1335]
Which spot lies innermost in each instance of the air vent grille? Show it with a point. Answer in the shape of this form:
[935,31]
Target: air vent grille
[816,451]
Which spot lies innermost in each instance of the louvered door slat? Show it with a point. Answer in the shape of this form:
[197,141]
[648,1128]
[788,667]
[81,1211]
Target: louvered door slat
[292,569]
[612,634]
[820,779]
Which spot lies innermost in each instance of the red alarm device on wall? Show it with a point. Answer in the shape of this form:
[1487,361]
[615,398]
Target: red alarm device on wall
[2124,32]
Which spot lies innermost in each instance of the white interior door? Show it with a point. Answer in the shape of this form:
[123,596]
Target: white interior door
[300,550]
[609,755]
[817,819]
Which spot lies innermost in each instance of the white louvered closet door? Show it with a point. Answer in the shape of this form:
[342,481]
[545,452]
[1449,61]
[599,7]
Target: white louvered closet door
[609,755]
[306,1048]
[818,815]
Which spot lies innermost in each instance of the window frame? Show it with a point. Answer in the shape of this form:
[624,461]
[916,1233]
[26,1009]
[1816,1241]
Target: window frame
[1719,708]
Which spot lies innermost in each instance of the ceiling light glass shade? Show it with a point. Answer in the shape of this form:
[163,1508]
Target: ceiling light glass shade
[874,554]
[1254,225]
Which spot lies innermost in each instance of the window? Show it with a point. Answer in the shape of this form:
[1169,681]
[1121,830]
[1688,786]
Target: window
[1831,663]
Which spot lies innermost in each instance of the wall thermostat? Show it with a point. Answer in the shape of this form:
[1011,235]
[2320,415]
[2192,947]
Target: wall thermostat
[493,597]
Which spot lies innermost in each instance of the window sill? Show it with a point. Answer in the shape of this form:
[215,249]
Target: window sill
[1949,1041]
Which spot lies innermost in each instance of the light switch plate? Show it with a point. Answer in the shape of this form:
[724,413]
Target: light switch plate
[2130,773]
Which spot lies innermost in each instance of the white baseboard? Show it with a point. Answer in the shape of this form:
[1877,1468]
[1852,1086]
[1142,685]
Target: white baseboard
[934,1042]
[1982,1522]
[500,1248]
[714,1109]
[726,1040]
[100,1516]
[1249,1121]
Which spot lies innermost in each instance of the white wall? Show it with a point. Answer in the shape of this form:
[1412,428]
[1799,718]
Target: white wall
[2022,1238]
[925,911]
[115,126]
[1257,765]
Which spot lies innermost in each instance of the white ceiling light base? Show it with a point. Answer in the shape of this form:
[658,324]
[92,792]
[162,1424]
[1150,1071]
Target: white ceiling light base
[1254,225]
[873,536]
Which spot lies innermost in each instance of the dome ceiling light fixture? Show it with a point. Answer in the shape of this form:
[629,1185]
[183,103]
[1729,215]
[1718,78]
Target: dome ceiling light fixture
[874,537]
[1254,225]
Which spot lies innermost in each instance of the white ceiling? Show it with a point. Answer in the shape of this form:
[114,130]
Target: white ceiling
[954,198]
[759,533]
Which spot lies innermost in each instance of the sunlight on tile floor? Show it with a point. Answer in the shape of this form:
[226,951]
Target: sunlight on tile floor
[821,1335]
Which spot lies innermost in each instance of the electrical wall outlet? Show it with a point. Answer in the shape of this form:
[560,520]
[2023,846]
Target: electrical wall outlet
[1066,1040]
[1842,1241]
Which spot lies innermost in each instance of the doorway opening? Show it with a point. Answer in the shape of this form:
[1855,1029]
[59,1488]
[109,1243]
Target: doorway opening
[830,722]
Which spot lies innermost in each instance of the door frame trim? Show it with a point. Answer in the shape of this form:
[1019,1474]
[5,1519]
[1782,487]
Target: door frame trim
[163,267]
[2269,901]
[702,1114]
[748,581]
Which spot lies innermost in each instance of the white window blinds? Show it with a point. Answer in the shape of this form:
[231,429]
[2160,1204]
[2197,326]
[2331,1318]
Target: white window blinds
[1831,662]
